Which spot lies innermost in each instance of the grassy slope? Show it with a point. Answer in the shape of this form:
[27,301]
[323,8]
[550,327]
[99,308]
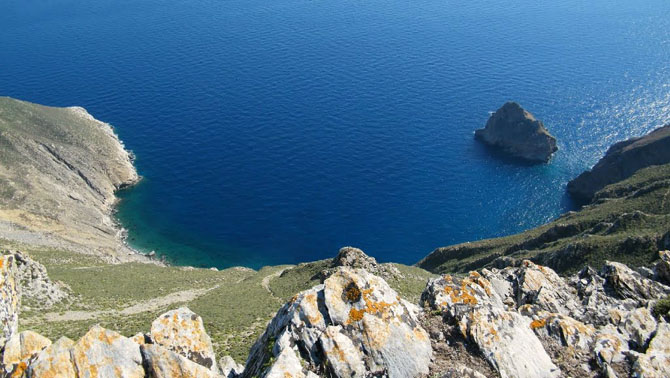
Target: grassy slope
[628,221]
[235,310]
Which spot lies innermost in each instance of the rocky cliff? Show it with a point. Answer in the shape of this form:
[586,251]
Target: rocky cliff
[621,161]
[518,133]
[523,321]
[59,169]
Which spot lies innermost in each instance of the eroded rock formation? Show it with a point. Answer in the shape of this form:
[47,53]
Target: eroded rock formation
[518,133]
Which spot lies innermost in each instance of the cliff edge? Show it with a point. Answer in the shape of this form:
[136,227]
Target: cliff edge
[621,161]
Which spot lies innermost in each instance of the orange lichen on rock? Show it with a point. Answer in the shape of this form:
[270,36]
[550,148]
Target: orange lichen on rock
[535,324]
[371,307]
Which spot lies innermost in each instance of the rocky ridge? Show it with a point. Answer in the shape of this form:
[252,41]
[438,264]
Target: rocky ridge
[621,161]
[518,133]
[521,321]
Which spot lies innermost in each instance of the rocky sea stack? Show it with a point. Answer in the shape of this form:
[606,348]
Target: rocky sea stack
[621,161]
[518,133]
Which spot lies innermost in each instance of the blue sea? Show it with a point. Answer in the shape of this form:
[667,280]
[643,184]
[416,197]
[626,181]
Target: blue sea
[278,131]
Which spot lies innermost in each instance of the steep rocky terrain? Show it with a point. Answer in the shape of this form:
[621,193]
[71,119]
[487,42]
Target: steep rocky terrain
[523,321]
[59,169]
[621,161]
[518,133]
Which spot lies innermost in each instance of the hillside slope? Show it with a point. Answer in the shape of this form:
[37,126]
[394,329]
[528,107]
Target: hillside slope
[59,169]
[628,221]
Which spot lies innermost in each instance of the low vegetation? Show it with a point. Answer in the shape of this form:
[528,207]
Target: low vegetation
[236,304]
[628,222]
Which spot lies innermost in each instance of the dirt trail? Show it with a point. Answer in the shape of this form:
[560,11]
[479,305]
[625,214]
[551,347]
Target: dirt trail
[145,306]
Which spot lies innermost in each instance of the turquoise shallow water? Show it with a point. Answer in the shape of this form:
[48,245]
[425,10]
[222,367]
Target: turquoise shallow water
[278,131]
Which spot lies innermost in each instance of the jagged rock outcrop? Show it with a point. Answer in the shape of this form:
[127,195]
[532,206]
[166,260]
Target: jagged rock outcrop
[163,363]
[59,170]
[9,298]
[594,318]
[504,337]
[54,361]
[182,331]
[520,321]
[20,350]
[353,325]
[36,286]
[621,161]
[355,258]
[518,133]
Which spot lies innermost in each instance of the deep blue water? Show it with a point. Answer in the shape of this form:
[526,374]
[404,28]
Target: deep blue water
[277,131]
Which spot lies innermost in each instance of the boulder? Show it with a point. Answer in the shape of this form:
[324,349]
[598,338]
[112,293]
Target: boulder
[505,338]
[518,133]
[182,331]
[163,363]
[20,349]
[9,299]
[638,325]
[105,353]
[353,324]
[656,360]
[621,161]
[629,284]
[610,347]
[54,361]
[542,287]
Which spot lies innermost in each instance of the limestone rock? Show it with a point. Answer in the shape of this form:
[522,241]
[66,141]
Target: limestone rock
[541,286]
[54,361]
[518,133]
[9,299]
[638,325]
[568,331]
[20,349]
[182,331]
[662,268]
[627,283]
[356,258]
[621,161]
[163,363]
[35,282]
[656,361]
[609,347]
[504,337]
[104,353]
[353,324]
[229,368]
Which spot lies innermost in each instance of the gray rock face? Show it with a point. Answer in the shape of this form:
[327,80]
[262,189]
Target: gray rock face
[9,299]
[518,133]
[505,338]
[354,325]
[163,363]
[36,284]
[621,161]
[183,332]
[104,353]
